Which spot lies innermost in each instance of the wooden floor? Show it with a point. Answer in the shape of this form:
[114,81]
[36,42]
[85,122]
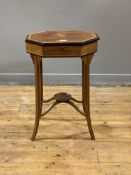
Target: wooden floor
[63,145]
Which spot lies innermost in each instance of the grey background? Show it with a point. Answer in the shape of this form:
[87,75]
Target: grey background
[110,19]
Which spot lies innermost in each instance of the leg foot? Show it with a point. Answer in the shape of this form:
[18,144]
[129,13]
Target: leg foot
[90,127]
[35,128]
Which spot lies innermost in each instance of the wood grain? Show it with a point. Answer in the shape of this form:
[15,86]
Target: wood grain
[57,38]
[61,43]
[62,146]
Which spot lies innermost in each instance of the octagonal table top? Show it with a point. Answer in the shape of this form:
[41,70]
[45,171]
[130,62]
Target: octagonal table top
[67,38]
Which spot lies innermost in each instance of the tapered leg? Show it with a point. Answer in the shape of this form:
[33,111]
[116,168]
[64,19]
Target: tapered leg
[37,60]
[85,91]
[41,83]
